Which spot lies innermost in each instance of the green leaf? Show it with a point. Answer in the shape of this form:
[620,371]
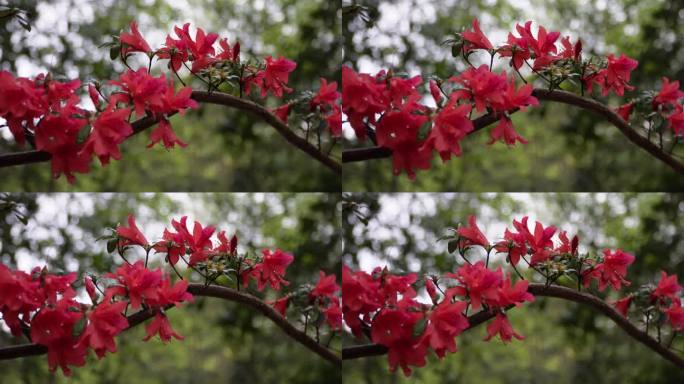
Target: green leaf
[452,246]
[419,327]
[111,245]
[114,52]
[79,327]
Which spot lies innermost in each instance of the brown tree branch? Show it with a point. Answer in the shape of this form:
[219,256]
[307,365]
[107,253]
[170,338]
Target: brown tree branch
[556,291]
[216,291]
[363,154]
[27,157]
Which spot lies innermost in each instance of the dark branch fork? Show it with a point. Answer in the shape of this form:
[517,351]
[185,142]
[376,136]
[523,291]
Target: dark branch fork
[215,291]
[360,351]
[363,154]
[27,157]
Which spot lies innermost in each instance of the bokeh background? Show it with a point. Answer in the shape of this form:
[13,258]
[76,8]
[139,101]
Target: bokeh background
[569,149]
[565,342]
[228,150]
[224,341]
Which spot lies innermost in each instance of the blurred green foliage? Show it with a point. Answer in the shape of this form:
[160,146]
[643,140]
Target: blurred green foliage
[228,150]
[565,342]
[224,342]
[569,149]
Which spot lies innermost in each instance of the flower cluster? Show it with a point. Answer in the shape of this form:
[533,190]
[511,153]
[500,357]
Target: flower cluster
[386,307]
[389,105]
[46,111]
[43,305]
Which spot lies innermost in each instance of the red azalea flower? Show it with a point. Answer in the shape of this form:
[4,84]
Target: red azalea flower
[485,88]
[451,125]
[431,289]
[398,130]
[505,133]
[540,241]
[480,284]
[476,39]
[276,76]
[168,294]
[611,271]
[616,76]
[281,304]
[676,121]
[394,329]
[334,121]
[472,235]
[173,245]
[225,245]
[668,287]
[363,97]
[669,93]
[133,42]
[513,245]
[69,159]
[143,91]
[513,294]
[53,327]
[623,304]
[90,288]
[327,94]
[176,102]
[20,101]
[333,314]
[176,50]
[165,134]
[326,286]
[571,51]
[501,326]
[228,53]
[131,235]
[544,46]
[446,322]
[567,245]
[436,92]
[104,323]
[54,285]
[517,49]
[19,295]
[138,283]
[94,96]
[361,297]
[110,129]
[675,315]
[625,110]
[160,325]
[282,112]
[271,270]
[518,98]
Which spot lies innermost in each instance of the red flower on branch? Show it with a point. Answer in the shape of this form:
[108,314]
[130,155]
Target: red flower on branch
[476,39]
[160,326]
[133,42]
[446,322]
[502,327]
[472,235]
[131,235]
[104,323]
[611,271]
